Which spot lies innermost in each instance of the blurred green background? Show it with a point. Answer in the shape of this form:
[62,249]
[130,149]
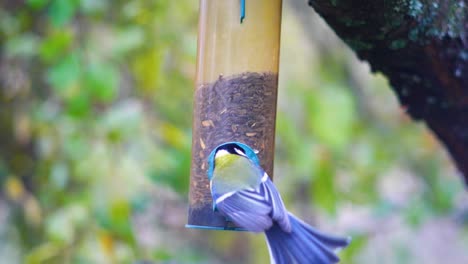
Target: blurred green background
[95,135]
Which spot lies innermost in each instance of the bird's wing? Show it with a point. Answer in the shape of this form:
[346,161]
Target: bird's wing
[255,209]
[278,210]
[248,209]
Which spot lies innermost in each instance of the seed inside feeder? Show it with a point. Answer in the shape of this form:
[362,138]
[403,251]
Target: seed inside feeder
[234,108]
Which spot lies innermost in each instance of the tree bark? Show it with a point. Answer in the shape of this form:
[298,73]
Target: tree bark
[422,47]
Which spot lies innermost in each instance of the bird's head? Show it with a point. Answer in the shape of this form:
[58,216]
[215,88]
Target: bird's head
[231,148]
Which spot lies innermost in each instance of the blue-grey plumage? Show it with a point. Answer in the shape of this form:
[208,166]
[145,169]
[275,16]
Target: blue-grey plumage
[244,193]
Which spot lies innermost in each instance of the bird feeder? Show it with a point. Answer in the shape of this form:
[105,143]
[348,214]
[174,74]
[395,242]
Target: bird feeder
[235,93]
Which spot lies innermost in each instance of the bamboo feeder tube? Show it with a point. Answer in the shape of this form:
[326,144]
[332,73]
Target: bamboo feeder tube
[236,91]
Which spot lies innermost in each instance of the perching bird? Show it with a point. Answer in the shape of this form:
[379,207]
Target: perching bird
[245,195]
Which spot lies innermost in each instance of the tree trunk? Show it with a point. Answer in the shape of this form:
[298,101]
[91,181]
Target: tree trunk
[422,47]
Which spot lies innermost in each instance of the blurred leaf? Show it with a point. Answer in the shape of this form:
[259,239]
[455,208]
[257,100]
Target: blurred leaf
[123,120]
[172,170]
[37,4]
[161,255]
[3,173]
[357,243]
[332,116]
[384,209]
[288,137]
[9,24]
[62,226]
[439,193]
[190,46]
[174,136]
[101,80]
[146,68]
[116,219]
[59,228]
[33,211]
[107,242]
[93,6]
[64,75]
[24,45]
[55,45]
[323,184]
[61,11]
[79,105]
[75,146]
[416,212]
[127,40]
[14,188]
[59,175]
[42,253]
[140,202]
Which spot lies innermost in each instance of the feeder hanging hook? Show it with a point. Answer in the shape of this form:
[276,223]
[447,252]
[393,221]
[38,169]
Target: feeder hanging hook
[242,10]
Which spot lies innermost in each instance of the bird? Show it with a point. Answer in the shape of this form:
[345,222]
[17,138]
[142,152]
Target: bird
[243,193]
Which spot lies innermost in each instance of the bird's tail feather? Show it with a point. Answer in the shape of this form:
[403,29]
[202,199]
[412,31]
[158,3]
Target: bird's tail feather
[303,244]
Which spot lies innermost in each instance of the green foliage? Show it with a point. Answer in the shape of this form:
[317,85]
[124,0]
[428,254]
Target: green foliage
[37,4]
[65,75]
[55,45]
[102,112]
[323,184]
[61,12]
[101,80]
[24,45]
[331,111]
[358,242]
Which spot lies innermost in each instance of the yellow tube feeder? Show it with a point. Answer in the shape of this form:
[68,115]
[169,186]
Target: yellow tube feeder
[235,94]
